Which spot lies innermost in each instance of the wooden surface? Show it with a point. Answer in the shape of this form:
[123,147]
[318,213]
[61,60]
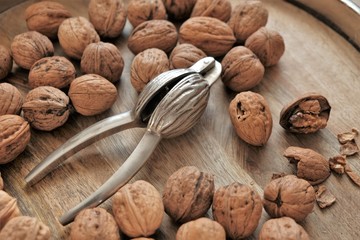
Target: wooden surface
[316,59]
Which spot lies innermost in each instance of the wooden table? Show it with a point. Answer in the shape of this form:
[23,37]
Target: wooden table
[316,59]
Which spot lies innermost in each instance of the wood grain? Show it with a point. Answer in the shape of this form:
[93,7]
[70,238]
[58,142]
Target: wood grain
[316,59]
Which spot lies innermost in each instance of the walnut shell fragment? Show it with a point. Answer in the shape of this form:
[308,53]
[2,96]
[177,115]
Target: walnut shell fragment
[10,98]
[185,55]
[352,175]
[140,11]
[324,198]
[347,136]
[348,145]
[338,163]
[6,62]
[179,9]
[8,208]
[220,9]
[311,165]
[201,229]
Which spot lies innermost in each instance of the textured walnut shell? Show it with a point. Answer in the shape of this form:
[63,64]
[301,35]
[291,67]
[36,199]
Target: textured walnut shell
[311,165]
[10,98]
[209,34]
[25,228]
[237,208]
[108,17]
[92,94]
[247,17]
[201,229]
[75,34]
[28,47]
[251,117]
[6,62]
[138,209]
[306,114]
[53,71]
[8,208]
[282,228]
[241,69]
[289,196]
[103,59]
[147,65]
[268,45]
[45,17]
[188,194]
[160,34]
[46,108]
[94,223]
[14,137]
[185,55]
[220,9]
[140,11]
[179,9]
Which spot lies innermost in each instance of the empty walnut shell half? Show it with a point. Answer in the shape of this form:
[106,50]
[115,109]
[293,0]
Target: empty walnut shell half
[220,9]
[201,229]
[140,11]
[306,114]
[289,196]
[179,9]
[10,98]
[6,62]
[8,208]
[185,55]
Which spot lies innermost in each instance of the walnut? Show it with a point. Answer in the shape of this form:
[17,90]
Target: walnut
[146,66]
[282,228]
[10,98]
[185,55]
[27,48]
[209,34]
[220,9]
[108,17]
[25,228]
[289,196]
[140,11]
[6,62]
[8,208]
[306,114]
[310,165]
[92,94]
[237,207]
[241,69]
[247,17]
[14,137]
[45,17]
[160,34]
[179,9]
[53,71]
[251,117]
[103,59]
[188,194]
[75,34]
[201,229]
[138,209]
[324,197]
[94,223]
[268,45]
[46,108]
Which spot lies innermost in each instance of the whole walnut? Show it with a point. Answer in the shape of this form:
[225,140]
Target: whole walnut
[53,71]
[209,34]
[289,196]
[140,11]
[147,65]
[247,17]
[6,62]
[268,45]
[14,137]
[10,98]
[220,9]
[251,117]
[28,47]
[282,228]
[237,208]
[75,34]
[25,228]
[46,108]
[241,69]
[160,34]
[201,229]
[8,208]
[45,17]
[179,9]
[138,209]
[188,194]
[108,17]
[92,94]
[94,223]
[103,59]
[185,55]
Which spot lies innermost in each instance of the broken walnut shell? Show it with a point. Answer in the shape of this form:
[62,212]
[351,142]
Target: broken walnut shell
[337,164]
[8,208]
[10,98]
[324,198]
[140,11]
[185,55]
[201,229]
[220,9]
[6,62]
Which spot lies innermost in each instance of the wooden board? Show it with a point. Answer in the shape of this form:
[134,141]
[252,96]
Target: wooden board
[316,59]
